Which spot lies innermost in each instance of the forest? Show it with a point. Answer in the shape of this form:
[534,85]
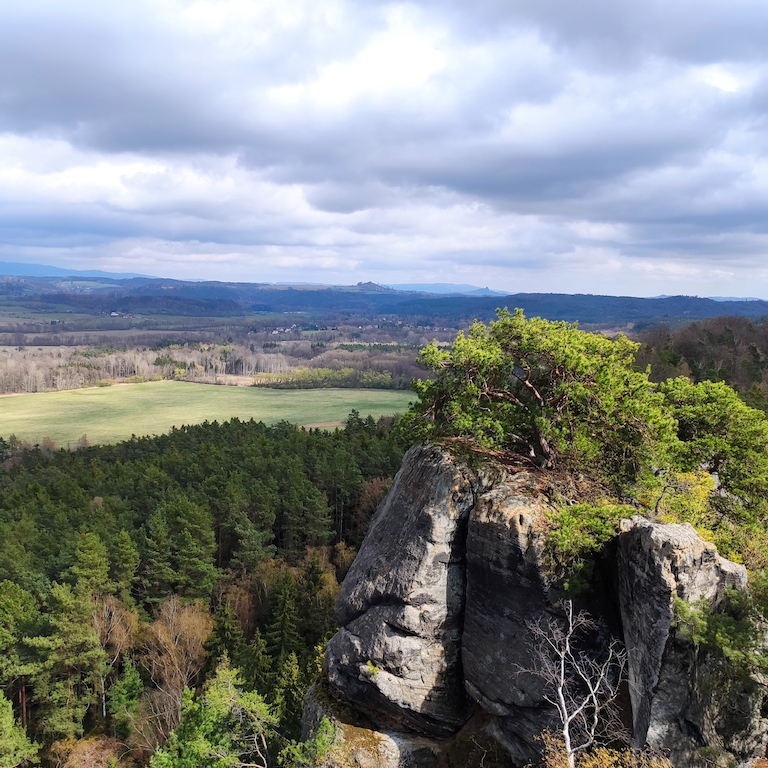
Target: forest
[292,362]
[730,349]
[132,574]
[165,601]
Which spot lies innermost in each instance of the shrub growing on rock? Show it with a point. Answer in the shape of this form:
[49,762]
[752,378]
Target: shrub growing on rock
[544,390]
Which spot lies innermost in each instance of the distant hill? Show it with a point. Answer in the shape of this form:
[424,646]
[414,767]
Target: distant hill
[18,269]
[734,298]
[594,309]
[361,303]
[459,289]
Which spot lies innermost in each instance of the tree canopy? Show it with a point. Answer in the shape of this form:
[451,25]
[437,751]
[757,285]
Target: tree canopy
[128,571]
[545,390]
[560,397]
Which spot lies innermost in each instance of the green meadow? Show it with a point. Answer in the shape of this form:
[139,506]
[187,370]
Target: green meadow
[110,414]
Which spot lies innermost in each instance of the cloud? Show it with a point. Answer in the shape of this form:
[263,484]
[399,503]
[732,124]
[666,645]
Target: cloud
[599,146]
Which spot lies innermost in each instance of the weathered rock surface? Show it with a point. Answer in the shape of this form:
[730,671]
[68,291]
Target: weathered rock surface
[401,606]
[671,685]
[507,590]
[437,609]
[360,744]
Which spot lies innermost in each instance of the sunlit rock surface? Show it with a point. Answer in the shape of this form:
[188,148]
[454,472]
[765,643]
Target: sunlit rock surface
[436,616]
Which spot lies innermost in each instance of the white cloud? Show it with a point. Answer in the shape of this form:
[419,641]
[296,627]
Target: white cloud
[719,77]
[398,60]
[535,146]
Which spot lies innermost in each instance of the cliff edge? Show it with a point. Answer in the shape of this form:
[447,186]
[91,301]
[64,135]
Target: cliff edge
[437,617]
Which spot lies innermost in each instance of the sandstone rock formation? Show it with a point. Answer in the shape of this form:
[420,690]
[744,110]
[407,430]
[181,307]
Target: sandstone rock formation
[673,709]
[402,603]
[436,617]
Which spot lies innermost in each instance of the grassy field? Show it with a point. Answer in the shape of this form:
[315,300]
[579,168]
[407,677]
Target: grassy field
[109,414]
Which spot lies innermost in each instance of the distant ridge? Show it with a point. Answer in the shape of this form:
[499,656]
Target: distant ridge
[457,289]
[734,298]
[19,269]
[713,298]
[367,303]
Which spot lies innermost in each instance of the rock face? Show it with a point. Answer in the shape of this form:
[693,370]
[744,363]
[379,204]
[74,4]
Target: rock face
[360,746]
[401,606]
[671,686]
[506,590]
[436,617]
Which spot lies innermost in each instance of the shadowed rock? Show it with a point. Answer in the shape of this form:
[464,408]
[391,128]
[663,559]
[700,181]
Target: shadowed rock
[436,613]
[671,684]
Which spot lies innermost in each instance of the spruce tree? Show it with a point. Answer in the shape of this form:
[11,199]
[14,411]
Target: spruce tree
[283,632]
[226,638]
[124,698]
[315,602]
[158,576]
[256,665]
[288,697]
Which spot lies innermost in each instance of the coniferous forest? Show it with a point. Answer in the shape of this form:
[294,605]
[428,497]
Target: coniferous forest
[205,560]
[165,601]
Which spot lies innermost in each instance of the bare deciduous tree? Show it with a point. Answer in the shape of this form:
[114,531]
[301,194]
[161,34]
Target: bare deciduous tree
[116,628]
[581,686]
[174,656]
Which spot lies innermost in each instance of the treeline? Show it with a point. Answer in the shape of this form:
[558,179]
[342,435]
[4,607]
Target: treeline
[296,364]
[29,369]
[730,349]
[129,574]
[318,378]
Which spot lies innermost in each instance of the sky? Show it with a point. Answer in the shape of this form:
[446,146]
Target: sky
[599,146]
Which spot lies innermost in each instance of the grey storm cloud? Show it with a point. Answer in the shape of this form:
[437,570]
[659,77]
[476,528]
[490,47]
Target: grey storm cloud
[606,146]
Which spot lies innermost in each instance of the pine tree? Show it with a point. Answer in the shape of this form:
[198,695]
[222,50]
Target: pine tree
[15,748]
[90,571]
[18,614]
[70,663]
[225,728]
[197,573]
[125,563]
[283,634]
[193,546]
[288,697]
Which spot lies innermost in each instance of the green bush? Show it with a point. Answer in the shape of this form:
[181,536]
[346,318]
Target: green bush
[545,391]
[577,534]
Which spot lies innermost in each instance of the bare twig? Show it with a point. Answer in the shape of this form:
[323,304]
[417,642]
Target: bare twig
[581,687]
